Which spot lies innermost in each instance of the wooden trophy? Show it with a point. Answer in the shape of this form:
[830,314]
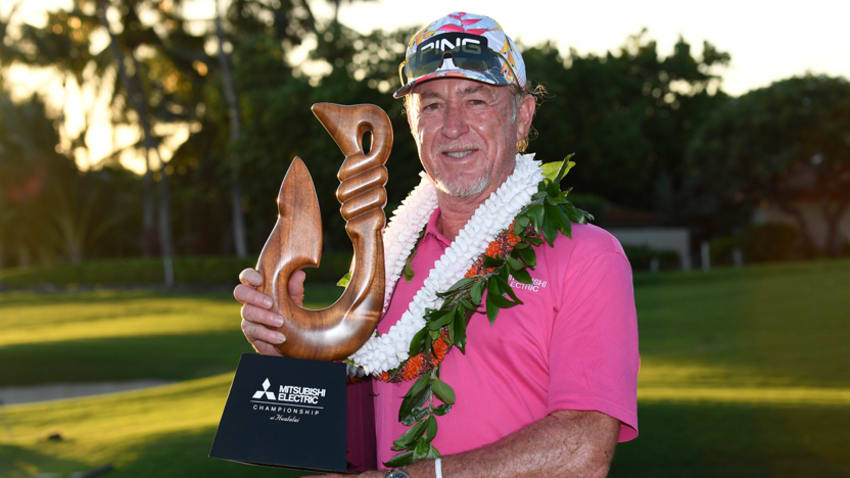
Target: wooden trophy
[291,411]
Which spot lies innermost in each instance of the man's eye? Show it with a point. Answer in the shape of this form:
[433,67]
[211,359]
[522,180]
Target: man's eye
[476,102]
[431,106]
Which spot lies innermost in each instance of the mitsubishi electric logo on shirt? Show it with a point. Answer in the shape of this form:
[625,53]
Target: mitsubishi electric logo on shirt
[290,403]
[536,286]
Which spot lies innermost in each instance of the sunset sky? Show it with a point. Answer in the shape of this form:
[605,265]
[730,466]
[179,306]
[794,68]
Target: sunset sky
[768,40]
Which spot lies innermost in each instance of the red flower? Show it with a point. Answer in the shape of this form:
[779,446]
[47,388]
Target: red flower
[410,370]
[441,348]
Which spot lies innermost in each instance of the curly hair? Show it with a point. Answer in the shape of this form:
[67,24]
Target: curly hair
[539,93]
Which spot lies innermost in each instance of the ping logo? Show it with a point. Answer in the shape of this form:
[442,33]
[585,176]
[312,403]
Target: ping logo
[265,391]
[454,41]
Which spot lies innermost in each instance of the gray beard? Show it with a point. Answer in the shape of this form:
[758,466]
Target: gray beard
[462,190]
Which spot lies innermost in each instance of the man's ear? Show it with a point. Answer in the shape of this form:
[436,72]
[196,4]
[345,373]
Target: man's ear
[524,116]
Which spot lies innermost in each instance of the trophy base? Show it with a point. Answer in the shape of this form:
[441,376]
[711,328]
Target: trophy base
[285,412]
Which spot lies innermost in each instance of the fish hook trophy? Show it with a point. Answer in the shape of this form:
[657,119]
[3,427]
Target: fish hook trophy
[291,411]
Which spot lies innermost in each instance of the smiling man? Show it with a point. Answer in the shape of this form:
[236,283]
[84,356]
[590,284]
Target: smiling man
[549,387]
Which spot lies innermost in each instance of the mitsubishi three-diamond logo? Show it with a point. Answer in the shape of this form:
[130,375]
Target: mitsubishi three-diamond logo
[265,391]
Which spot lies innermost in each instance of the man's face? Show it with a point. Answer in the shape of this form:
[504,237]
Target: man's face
[466,133]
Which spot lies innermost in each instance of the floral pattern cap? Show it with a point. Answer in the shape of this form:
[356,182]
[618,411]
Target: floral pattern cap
[512,70]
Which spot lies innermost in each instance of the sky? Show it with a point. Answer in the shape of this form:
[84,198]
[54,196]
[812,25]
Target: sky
[767,40]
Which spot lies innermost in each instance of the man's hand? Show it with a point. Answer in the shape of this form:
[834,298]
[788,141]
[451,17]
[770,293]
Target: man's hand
[259,322]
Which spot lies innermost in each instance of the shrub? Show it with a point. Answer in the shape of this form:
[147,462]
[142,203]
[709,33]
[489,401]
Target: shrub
[640,257]
[769,242]
[188,271]
[591,203]
[722,250]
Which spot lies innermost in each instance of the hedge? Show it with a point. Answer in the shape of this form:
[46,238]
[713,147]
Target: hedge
[188,271]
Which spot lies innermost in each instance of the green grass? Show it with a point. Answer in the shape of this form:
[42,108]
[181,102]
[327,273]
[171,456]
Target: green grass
[743,373]
[162,431]
[122,335]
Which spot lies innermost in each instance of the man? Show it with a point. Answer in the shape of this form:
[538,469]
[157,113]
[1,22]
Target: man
[550,386]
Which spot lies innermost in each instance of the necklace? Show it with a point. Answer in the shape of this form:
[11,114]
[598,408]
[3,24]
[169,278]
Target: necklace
[386,352]
[495,244]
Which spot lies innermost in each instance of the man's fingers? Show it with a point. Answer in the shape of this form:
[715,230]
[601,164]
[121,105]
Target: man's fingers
[261,316]
[249,296]
[257,332]
[251,277]
[258,321]
[265,348]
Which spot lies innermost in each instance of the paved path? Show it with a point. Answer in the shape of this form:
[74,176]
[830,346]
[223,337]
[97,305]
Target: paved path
[56,391]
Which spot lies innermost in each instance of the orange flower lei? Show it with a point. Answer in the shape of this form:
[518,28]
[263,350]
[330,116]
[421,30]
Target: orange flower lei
[424,362]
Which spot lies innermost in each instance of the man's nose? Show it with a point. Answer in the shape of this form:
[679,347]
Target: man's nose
[454,121]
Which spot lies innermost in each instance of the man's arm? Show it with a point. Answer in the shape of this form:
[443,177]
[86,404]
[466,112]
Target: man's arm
[565,443]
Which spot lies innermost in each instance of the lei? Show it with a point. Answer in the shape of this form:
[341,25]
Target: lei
[496,243]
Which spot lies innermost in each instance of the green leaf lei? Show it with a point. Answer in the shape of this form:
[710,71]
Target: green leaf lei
[548,213]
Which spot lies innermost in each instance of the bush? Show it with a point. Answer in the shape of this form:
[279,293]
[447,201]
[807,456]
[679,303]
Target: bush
[591,203]
[641,257]
[770,242]
[723,249]
[188,271]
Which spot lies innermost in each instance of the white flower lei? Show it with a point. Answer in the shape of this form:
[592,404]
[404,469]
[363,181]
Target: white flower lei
[388,351]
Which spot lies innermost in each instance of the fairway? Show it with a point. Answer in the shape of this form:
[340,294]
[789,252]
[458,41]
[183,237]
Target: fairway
[743,373]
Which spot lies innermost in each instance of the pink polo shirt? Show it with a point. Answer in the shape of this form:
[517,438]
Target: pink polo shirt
[572,345]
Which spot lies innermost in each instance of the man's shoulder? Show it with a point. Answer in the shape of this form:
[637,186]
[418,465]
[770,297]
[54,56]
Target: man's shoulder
[587,244]
[586,240]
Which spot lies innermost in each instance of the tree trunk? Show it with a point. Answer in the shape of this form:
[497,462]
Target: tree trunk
[233,114]
[802,225]
[832,216]
[148,239]
[23,256]
[138,102]
[71,231]
[165,238]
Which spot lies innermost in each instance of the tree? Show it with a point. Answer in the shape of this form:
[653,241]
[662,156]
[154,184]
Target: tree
[142,90]
[49,210]
[29,171]
[233,115]
[788,143]
[138,99]
[627,115]
[275,122]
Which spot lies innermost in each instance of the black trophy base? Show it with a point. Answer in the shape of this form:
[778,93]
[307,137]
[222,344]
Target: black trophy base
[285,412]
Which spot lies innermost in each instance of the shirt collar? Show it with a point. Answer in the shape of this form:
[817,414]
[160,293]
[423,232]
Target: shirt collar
[432,229]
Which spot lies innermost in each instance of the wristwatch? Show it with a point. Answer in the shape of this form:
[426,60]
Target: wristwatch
[397,473]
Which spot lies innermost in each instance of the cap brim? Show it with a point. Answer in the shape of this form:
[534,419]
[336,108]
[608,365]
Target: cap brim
[449,73]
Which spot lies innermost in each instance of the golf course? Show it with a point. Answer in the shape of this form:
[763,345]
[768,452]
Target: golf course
[744,372]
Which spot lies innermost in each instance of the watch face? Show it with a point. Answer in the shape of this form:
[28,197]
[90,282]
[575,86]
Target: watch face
[397,474]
